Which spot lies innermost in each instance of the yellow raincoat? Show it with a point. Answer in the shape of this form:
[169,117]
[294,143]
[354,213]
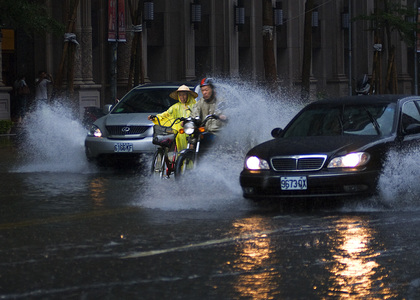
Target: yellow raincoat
[178,110]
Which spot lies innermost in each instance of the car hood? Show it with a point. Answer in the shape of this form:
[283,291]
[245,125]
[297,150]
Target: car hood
[124,119]
[329,145]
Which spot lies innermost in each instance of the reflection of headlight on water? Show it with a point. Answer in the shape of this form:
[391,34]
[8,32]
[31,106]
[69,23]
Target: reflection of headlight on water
[189,128]
[252,255]
[354,269]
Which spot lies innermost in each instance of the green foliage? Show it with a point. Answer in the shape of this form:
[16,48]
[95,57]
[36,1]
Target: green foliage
[31,16]
[396,16]
[5,126]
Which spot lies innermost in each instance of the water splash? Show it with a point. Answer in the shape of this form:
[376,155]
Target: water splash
[398,184]
[52,140]
[252,112]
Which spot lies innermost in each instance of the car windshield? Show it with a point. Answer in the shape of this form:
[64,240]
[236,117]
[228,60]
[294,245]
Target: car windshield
[145,101]
[333,120]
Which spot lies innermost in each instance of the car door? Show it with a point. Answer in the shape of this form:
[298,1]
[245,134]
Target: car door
[410,122]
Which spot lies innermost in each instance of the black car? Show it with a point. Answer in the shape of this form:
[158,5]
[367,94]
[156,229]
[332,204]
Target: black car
[332,148]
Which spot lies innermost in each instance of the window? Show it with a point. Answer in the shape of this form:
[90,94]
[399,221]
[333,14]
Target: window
[410,117]
[333,120]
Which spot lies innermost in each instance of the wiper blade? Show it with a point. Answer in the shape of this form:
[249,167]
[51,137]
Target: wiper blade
[373,120]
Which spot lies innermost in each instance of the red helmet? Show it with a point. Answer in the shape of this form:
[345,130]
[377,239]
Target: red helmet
[207,81]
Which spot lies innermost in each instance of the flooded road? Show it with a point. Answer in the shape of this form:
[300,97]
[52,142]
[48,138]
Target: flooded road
[69,229]
[118,234]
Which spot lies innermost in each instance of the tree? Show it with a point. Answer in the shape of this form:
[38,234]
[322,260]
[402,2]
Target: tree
[30,16]
[389,16]
[69,51]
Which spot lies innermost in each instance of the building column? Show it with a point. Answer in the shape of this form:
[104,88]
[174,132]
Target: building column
[334,52]
[212,36]
[124,58]
[4,90]
[232,42]
[189,44]
[295,34]
[87,91]
[257,61]
[405,81]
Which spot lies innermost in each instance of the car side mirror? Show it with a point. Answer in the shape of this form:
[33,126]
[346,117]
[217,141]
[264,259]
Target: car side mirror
[276,132]
[107,108]
[412,129]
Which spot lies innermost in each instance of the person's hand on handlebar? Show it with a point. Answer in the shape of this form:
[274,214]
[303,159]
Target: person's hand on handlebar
[151,117]
[222,117]
[219,117]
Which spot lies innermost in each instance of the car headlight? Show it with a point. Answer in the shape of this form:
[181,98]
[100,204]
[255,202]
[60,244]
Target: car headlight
[189,128]
[94,131]
[256,163]
[351,160]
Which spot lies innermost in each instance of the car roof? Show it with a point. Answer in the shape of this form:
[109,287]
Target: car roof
[169,84]
[366,99]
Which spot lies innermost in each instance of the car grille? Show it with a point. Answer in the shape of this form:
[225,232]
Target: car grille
[126,130]
[298,162]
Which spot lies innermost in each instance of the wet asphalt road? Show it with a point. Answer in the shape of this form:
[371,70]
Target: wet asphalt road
[118,234]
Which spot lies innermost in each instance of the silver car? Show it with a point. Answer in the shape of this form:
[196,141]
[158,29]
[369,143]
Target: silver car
[125,132]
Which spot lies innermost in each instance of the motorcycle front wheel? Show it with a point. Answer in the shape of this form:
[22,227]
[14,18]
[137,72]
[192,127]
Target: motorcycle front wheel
[158,163]
[184,163]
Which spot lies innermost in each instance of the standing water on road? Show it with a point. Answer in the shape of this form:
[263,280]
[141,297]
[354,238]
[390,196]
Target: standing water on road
[70,230]
[53,141]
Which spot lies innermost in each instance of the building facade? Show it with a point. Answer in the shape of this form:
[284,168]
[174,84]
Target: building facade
[223,39]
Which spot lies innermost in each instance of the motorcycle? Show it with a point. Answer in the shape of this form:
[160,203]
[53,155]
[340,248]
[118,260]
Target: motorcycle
[197,138]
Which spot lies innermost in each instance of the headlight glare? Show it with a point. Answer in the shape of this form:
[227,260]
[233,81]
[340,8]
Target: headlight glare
[351,160]
[189,128]
[95,131]
[256,163]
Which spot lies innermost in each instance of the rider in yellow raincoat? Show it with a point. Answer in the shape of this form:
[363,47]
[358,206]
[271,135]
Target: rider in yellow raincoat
[182,109]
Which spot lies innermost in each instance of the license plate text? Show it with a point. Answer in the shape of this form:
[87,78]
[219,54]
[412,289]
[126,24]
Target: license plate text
[294,183]
[123,147]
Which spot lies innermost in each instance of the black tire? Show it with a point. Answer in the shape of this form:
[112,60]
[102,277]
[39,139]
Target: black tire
[158,168]
[184,162]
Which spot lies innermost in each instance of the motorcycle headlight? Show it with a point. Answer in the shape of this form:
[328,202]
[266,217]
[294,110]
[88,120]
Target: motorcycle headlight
[256,163]
[189,128]
[351,160]
[94,131]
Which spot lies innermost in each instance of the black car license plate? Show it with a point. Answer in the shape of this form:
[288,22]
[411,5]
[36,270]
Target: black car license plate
[293,183]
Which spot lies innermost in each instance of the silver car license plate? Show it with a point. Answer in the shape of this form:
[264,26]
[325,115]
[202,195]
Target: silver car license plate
[123,147]
[294,183]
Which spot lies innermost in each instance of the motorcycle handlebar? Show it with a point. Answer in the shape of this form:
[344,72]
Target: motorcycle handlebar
[175,121]
[216,117]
